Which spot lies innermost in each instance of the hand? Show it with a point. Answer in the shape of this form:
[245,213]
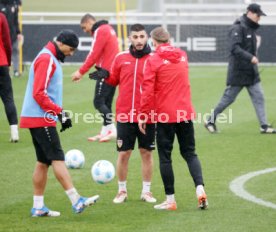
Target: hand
[254,60]
[65,121]
[76,76]
[142,126]
[101,73]
[20,39]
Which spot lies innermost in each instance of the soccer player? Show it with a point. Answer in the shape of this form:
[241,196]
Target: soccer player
[6,92]
[10,8]
[42,107]
[103,51]
[166,89]
[127,73]
[243,69]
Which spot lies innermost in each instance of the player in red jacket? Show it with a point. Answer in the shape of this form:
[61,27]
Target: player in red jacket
[6,91]
[103,51]
[127,73]
[166,89]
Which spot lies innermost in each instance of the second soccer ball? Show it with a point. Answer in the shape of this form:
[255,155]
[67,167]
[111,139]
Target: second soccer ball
[102,171]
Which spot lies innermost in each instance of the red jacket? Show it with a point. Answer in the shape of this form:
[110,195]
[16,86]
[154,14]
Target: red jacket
[104,49]
[166,86]
[44,69]
[5,42]
[127,72]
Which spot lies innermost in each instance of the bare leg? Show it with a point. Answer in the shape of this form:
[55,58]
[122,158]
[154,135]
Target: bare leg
[40,178]
[62,174]
[147,164]
[122,165]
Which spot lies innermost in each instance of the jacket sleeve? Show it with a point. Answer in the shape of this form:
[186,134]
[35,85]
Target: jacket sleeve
[148,90]
[101,36]
[115,71]
[6,38]
[44,69]
[236,39]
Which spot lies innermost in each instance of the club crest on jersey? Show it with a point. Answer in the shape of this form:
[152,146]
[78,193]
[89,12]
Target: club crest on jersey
[119,143]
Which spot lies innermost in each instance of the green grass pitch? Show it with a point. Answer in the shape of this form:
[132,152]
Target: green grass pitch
[238,149]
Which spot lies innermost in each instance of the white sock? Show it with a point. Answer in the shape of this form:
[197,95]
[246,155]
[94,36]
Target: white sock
[111,127]
[73,195]
[122,186]
[170,198]
[104,130]
[146,187]
[38,202]
[199,190]
[14,131]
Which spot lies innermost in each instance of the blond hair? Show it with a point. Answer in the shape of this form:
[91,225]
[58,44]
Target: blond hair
[160,35]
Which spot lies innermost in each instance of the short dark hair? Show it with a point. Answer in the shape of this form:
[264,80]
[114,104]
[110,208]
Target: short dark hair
[137,27]
[86,17]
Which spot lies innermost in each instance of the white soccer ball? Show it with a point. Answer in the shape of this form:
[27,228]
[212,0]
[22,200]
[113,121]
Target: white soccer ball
[102,171]
[74,159]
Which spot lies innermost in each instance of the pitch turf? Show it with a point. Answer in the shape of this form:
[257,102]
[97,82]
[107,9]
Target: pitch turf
[238,149]
[73,6]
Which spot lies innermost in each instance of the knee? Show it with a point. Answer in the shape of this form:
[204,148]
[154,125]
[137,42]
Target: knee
[187,156]
[98,103]
[124,157]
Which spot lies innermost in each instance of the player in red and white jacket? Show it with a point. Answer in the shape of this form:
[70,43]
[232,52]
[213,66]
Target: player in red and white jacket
[166,89]
[6,92]
[103,51]
[127,73]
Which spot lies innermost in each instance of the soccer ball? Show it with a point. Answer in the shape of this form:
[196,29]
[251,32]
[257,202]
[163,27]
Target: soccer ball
[102,171]
[74,159]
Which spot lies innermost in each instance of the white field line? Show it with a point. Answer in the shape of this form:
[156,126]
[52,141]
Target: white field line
[237,187]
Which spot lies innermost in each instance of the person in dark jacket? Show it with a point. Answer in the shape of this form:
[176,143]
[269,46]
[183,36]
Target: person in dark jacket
[243,69]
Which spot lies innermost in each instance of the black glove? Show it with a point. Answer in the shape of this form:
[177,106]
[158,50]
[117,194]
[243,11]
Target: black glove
[65,121]
[101,73]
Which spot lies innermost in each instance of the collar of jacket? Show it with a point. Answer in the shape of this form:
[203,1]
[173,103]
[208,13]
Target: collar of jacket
[98,24]
[249,23]
[139,53]
[59,54]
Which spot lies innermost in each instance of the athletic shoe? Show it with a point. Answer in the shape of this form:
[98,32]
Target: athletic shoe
[202,201]
[267,129]
[44,212]
[147,197]
[94,138]
[120,197]
[166,206]
[109,136]
[211,127]
[16,74]
[14,134]
[83,202]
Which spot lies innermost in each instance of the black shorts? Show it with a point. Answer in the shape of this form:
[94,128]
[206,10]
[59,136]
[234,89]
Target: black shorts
[47,144]
[128,132]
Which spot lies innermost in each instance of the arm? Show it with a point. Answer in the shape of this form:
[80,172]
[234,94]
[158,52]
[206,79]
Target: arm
[99,42]
[114,77]
[44,69]
[147,96]
[6,38]
[148,89]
